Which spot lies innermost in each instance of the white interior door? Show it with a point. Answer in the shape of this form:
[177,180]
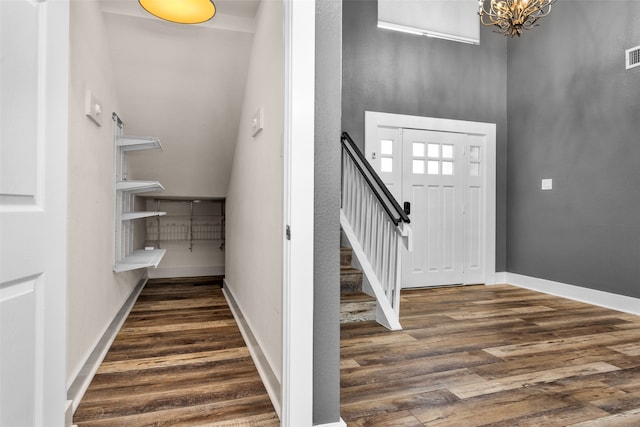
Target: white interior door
[33,132]
[433,182]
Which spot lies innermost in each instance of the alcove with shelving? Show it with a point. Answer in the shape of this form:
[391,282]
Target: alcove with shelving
[192,232]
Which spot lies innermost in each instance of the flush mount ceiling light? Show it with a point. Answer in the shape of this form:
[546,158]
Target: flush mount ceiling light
[514,16]
[180,11]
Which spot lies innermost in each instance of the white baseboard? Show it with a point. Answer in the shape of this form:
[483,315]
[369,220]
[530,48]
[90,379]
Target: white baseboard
[340,423]
[195,271]
[590,296]
[267,375]
[500,278]
[81,382]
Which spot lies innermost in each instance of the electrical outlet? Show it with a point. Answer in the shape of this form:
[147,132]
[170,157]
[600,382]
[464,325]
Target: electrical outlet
[547,184]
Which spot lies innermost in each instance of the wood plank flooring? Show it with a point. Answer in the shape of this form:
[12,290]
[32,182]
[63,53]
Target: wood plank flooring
[469,356]
[492,356]
[179,360]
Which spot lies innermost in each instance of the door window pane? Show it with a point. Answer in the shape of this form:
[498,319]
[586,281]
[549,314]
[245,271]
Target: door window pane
[386,147]
[418,166]
[433,150]
[474,153]
[386,164]
[447,168]
[418,149]
[433,167]
[447,151]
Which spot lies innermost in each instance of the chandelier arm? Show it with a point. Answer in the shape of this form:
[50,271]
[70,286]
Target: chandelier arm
[532,19]
[512,17]
[539,12]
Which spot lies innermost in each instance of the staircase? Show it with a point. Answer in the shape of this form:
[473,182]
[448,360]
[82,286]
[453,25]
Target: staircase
[377,229]
[355,305]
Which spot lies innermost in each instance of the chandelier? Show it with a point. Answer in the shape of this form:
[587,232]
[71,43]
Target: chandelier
[513,16]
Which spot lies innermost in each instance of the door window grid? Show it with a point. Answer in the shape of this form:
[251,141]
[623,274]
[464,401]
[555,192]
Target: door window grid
[440,158]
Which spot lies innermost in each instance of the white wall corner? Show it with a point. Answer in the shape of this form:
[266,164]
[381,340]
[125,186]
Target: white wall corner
[577,293]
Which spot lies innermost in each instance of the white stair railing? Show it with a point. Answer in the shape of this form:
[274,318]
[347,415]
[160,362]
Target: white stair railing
[377,230]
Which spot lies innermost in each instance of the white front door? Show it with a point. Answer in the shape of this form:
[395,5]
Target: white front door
[446,170]
[33,177]
[433,181]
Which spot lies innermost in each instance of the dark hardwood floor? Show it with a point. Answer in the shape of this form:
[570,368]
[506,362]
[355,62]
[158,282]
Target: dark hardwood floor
[492,355]
[179,360]
[469,356]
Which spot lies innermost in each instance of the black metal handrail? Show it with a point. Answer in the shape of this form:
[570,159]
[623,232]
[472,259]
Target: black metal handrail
[388,202]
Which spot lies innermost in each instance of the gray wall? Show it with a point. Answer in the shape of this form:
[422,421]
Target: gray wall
[573,117]
[400,73]
[326,275]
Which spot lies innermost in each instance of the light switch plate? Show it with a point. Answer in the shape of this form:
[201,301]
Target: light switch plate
[257,122]
[93,108]
[547,184]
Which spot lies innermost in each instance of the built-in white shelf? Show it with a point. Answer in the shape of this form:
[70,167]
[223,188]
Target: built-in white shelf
[135,143]
[127,258]
[126,216]
[140,259]
[138,186]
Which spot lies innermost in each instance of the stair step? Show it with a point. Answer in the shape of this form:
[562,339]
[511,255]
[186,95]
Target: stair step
[350,280]
[346,255]
[357,307]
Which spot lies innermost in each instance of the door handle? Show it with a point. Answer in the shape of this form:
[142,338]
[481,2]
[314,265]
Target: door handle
[407,208]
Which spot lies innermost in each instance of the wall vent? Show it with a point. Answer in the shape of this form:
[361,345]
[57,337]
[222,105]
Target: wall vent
[633,57]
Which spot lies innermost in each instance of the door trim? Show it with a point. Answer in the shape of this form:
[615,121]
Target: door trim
[373,120]
[298,213]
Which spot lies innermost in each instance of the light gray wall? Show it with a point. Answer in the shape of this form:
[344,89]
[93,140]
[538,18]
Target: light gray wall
[573,117]
[400,73]
[326,312]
